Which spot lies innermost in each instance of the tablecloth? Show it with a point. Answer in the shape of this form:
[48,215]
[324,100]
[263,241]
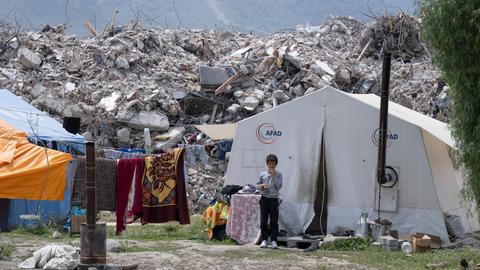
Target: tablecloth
[243,223]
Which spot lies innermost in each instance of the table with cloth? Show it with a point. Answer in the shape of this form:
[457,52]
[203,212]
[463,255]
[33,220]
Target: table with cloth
[243,223]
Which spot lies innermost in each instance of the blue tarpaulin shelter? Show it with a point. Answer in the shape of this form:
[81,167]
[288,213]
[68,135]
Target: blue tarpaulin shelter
[40,127]
[23,116]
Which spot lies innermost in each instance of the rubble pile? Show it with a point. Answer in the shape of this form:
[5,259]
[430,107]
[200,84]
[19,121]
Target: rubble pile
[127,78]
[204,184]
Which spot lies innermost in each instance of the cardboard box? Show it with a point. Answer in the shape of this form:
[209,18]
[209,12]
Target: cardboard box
[436,241]
[75,223]
[419,244]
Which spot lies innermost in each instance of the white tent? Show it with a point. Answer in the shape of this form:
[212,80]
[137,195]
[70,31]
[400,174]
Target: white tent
[419,148]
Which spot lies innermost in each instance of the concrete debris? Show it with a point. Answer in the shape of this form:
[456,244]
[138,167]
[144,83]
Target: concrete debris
[123,136]
[169,140]
[205,183]
[56,235]
[136,77]
[322,68]
[153,119]
[343,76]
[249,103]
[114,246]
[122,62]
[28,59]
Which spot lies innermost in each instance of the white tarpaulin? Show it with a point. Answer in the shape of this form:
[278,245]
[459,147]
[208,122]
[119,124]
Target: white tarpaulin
[418,149]
[54,256]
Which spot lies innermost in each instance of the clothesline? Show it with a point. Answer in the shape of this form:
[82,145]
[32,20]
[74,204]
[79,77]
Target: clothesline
[134,187]
[186,146]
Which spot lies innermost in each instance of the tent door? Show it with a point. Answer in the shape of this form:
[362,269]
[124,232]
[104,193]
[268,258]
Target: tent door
[318,225]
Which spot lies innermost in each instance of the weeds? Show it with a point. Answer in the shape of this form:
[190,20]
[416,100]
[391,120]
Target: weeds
[348,244]
[6,251]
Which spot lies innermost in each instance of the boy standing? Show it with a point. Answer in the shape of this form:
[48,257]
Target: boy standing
[269,184]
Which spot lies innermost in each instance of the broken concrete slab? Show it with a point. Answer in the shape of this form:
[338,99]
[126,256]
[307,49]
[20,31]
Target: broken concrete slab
[123,135]
[249,103]
[28,58]
[153,119]
[322,68]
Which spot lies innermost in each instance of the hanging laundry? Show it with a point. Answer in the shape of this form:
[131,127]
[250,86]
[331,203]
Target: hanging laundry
[196,156]
[164,191]
[222,148]
[116,154]
[214,216]
[128,171]
[105,182]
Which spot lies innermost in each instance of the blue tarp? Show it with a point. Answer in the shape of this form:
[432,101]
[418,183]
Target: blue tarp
[39,126]
[23,116]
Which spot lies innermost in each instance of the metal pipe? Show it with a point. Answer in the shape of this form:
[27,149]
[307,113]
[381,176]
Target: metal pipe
[92,234]
[90,185]
[383,126]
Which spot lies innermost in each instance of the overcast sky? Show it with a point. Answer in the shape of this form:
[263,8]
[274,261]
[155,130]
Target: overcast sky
[258,16]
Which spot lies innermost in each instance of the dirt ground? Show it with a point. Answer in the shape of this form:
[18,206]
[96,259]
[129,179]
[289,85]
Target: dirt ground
[187,255]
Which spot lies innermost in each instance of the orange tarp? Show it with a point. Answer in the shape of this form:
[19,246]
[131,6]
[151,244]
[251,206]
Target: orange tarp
[25,169]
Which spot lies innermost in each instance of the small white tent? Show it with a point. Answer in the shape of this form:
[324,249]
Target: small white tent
[326,143]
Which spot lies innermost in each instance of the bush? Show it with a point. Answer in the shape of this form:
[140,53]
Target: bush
[451,29]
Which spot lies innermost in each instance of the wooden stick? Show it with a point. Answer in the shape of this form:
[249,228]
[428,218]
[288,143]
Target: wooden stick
[90,28]
[364,50]
[230,80]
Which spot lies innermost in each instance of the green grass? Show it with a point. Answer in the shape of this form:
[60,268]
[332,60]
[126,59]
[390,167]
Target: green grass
[168,231]
[382,259]
[348,244]
[35,231]
[41,232]
[6,251]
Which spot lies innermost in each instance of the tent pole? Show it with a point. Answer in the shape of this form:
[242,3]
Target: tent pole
[383,127]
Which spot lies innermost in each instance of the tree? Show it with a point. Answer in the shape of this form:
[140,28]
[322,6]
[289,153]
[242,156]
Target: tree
[451,29]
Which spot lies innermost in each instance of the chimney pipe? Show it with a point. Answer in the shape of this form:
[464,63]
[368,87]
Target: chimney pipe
[383,127]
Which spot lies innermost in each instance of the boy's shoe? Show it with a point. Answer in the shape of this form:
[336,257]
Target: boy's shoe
[263,244]
[274,245]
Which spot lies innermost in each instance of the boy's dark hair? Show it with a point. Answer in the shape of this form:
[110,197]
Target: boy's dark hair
[273,158]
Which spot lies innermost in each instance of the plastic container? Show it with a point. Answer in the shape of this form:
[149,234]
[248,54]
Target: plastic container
[407,247]
[362,226]
[148,141]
